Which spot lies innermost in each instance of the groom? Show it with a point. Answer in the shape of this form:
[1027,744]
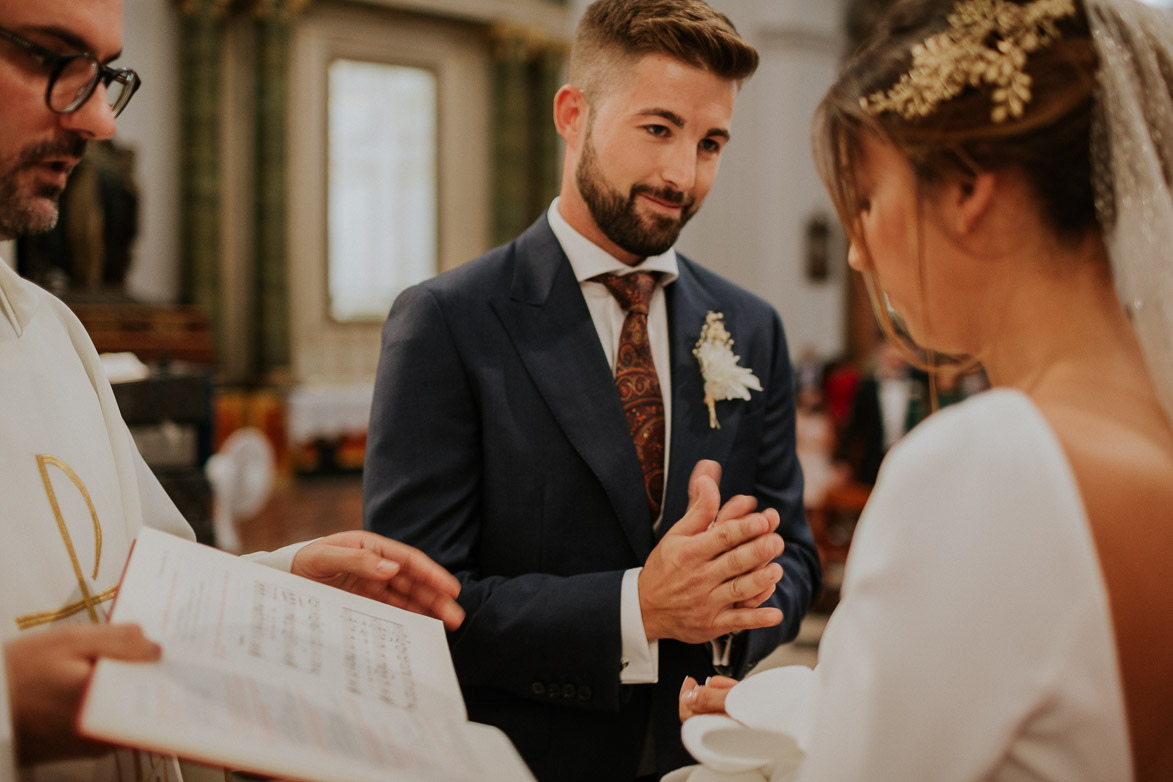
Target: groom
[538,412]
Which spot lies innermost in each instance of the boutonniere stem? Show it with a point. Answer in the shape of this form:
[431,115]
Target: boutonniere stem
[724,377]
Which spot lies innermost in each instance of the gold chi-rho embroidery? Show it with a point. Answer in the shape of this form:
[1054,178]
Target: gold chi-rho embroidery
[145,766]
[89,602]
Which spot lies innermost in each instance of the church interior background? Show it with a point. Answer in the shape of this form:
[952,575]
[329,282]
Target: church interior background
[290,165]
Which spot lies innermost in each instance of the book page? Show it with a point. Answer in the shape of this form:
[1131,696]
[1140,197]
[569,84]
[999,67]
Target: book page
[269,672]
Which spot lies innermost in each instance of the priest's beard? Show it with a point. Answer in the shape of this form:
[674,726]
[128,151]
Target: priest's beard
[616,215]
[27,206]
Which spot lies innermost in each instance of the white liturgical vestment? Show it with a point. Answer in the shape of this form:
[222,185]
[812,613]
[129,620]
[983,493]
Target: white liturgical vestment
[75,493]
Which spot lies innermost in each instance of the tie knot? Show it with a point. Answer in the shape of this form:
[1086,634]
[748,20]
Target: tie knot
[632,291]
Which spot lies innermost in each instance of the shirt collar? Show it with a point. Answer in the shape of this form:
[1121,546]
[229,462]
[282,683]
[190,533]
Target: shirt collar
[590,260]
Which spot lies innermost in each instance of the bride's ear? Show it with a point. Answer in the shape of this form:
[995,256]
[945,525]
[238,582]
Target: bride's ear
[973,197]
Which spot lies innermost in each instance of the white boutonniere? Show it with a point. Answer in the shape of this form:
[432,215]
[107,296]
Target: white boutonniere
[724,379]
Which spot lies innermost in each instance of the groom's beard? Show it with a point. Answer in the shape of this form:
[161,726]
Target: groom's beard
[616,215]
[28,206]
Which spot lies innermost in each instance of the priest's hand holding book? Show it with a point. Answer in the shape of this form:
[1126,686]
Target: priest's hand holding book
[47,674]
[48,670]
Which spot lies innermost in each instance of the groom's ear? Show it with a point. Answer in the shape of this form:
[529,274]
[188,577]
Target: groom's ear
[571,112]
[971,198]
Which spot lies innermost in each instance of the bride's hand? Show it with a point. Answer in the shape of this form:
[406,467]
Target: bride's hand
[708,698]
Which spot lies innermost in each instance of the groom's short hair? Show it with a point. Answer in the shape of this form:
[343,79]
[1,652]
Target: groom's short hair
[614,33]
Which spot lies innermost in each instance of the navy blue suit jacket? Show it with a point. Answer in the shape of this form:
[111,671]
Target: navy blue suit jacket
[498,445]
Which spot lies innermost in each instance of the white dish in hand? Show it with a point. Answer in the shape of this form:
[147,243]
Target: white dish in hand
[778,700]
[726,746]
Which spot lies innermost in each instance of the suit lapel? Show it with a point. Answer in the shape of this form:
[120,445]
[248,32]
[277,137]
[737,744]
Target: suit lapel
[547,318]
[692,438]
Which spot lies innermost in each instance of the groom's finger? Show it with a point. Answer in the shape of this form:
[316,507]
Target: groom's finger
[726,537]
[706,501]
[703,467]
[741,505]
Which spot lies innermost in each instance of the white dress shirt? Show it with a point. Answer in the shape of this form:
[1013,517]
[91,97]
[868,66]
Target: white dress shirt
[587,259]
[894,394]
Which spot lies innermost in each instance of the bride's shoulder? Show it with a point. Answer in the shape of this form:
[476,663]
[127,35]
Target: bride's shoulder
[996,441]
[999,408]
[999,424]
[966,479]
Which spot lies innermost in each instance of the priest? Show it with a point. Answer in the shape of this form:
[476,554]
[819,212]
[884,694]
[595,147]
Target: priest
[75,489]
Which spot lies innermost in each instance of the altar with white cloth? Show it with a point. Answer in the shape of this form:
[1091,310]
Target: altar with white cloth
[327,424]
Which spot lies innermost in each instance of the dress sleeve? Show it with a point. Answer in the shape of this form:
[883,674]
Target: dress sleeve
[946,637]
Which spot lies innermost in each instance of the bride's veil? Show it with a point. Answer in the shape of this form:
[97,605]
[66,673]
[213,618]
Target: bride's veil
[1132,157]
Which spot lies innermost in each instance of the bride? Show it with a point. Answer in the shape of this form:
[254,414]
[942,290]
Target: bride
[1002,171]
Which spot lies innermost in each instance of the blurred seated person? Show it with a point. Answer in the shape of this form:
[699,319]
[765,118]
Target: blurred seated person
[840,382]
[809,369]
[890,400]
[814,443]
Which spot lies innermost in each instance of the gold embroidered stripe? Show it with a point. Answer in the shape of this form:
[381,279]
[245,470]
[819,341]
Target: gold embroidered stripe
[43,463]
[45,617]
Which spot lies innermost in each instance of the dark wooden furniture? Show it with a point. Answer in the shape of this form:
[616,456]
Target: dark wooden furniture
[832,524]
[170,416]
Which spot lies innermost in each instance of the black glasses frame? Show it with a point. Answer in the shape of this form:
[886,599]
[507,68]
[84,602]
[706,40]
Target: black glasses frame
[57,63]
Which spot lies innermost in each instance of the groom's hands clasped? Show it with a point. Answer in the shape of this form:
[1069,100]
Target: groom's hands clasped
[710,572]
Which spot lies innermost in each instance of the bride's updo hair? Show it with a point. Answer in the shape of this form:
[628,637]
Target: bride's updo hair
[958,136]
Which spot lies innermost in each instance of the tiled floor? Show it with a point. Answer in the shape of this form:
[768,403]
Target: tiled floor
[305,508]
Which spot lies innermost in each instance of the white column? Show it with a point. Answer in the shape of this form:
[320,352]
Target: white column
[150,127]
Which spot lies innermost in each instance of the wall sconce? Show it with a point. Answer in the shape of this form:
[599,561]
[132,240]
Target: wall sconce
[818,248]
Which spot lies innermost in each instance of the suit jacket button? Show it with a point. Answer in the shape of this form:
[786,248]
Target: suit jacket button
[569,691]
[584,693]
[538,688]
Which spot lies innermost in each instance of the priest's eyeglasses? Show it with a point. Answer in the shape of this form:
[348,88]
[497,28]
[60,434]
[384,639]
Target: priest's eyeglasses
[74,77]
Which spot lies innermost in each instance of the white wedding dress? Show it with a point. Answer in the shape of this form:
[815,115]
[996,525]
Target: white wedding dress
[973,640]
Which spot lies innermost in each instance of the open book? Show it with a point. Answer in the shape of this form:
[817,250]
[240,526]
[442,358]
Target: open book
[266,672]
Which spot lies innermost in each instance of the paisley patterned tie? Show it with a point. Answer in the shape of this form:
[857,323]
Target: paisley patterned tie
[636,379]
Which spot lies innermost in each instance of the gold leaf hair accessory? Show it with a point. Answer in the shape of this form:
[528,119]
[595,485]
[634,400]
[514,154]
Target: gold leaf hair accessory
[987,42]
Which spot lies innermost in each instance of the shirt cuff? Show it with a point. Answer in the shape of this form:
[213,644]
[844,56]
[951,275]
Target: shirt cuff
[282,558]
[640,663]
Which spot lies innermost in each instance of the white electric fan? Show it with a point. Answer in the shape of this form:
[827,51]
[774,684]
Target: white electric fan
[241,475]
